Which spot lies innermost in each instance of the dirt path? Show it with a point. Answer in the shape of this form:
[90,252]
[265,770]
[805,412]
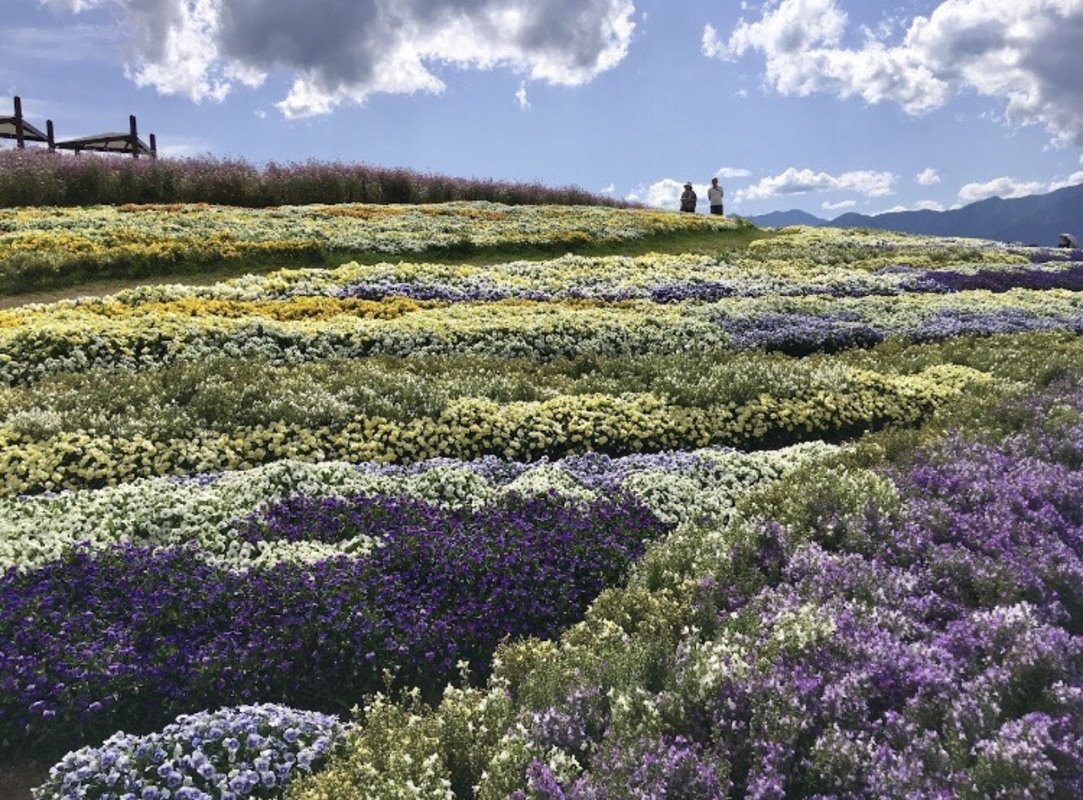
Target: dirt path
[17,779]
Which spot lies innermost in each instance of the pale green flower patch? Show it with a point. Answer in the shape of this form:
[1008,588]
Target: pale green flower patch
[806,251]
[70,341]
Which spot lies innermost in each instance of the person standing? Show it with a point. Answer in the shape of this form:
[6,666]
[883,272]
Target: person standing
[714,196]
[688,199]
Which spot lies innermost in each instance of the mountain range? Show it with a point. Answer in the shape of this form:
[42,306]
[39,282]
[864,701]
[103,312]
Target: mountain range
[1036,219]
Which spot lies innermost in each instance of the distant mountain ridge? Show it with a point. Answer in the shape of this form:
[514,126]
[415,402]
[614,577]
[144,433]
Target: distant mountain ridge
[1036,219]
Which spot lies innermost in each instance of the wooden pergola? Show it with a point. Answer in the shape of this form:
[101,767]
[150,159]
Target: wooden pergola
[128,143]
[16,127]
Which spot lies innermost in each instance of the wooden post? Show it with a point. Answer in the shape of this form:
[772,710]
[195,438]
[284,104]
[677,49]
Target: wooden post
[134,133]
[19,122]
[49,135]
[153,146]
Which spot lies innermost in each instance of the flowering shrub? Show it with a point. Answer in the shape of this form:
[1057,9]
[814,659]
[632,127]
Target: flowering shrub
[911,632]
[473,427]
[230,754]
[678,487]
[801,334]
[128,636]
[1070,278]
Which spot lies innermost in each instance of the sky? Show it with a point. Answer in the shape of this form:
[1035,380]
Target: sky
[827,106]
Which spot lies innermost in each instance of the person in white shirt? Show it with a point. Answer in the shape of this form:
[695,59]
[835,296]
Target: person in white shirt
[714,196]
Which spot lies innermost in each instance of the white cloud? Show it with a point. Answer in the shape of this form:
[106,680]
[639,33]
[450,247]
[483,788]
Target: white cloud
[342,52]
[998,187]
[712,44]
[795,181]
[928,205]
[732,172]
[789,27]
[840,205]
[927,177]
[666,193]
[186,57]
[74,5]
[1072,180]
[521,98]
[1021,52]
[609,189]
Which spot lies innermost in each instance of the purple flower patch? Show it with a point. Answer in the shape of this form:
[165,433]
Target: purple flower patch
[130,637]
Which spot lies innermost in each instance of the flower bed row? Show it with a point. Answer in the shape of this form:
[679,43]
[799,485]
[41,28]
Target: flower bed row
[679,488]
[672,279]
[473,427]
[393,229]
[905,633]
[659,278]
[139,235]
[75,343]
[75,337]
[220,395]
[136,239]
[866,269]
[804,251]
[714,281]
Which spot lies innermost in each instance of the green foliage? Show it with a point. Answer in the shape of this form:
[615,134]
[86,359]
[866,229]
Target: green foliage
[835,515]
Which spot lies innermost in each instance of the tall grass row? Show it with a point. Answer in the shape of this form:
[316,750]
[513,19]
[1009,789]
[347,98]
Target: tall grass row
[43,178]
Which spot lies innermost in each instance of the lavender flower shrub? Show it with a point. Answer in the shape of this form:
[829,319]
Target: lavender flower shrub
[801,334]
[129,637]
[1001,280]
[644,771]
[854,643]
[949,324]
[235,753]
[1043,255]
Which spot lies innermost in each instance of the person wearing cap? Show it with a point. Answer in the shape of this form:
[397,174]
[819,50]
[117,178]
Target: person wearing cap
[714,196]
[1067,240]
[688,199]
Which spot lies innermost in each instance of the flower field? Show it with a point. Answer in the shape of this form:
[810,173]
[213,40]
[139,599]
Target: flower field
[800,520]
[46,245]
